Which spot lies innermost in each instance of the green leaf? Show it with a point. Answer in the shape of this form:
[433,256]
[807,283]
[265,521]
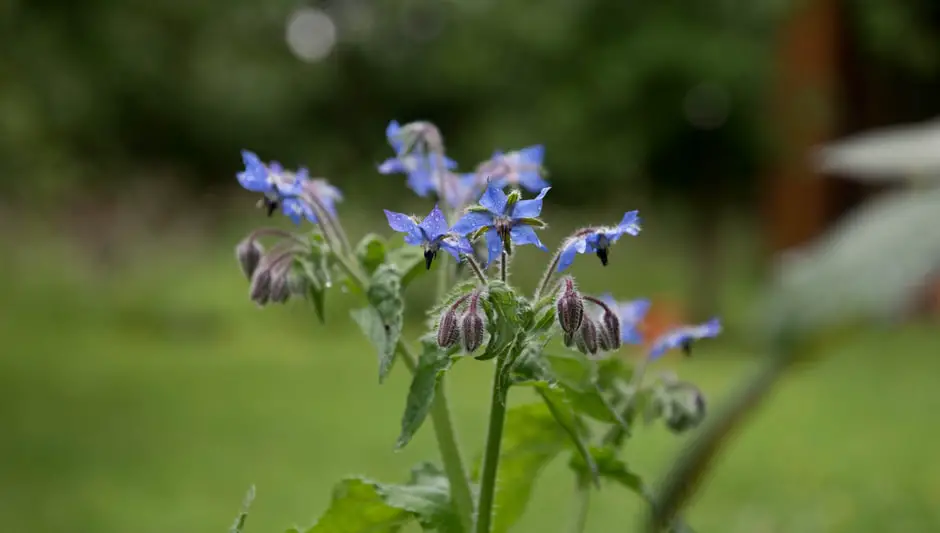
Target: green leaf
[384,294]
[582,390]
[869,266]
[239,524]
[410,262]
[545,319]
[361,505]
[610,467]
[566,417]
[358,506]
[531,440]
[371,252]
[427,495]
[534,222]
[316,272]
[432,364]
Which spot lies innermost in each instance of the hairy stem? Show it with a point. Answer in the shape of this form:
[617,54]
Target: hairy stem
[475,267]
[582,502]
[494,438]
[548,274]
[503,267]
[330,223]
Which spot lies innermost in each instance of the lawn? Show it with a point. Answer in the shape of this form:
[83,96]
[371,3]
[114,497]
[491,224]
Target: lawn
[149,398]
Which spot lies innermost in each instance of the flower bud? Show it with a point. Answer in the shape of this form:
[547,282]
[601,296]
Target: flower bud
[587,336]
[610,323]
[570,308]
[249,252]
[471,329]
[447,333]
[687,409]
[260,289]
[603,339]
[279,288]
[569,339]
[471,325]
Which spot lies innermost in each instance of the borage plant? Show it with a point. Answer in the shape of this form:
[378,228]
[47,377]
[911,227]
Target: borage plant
[587,402]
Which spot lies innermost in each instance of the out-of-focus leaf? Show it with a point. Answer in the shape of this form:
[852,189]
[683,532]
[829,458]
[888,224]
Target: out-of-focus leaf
[239,525]
[869,266]
[384,295]
[568,419]
[410,262]
[610,467]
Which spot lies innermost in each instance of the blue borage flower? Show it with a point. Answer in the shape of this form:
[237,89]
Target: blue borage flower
[289,190]
[432,233]
[503,220]
[631,314]
[519,168]
[425,171]
[598,240]
[683,337]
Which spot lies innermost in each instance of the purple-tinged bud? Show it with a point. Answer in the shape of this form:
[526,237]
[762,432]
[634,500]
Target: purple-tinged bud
[260,289]
[610,323]
[568,339]
[472,326]
[279,288]
[603,339]
[570,308]
[587,335]
[249,252]
[447,332]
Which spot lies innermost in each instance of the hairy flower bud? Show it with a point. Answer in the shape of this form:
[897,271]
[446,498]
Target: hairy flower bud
[279,288]
[472,326]
[260,289]
[570,308]
[610,324]
[447,332]
[603,339]
[569,339]
[587,336]
[249,252]
[471,329]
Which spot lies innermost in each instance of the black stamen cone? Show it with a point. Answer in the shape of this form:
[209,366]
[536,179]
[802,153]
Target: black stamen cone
[686,348]
[602,254]
[428,258]
[270,206]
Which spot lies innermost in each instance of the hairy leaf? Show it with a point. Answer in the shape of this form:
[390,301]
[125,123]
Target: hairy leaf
[531,440]
[384,295]
[427,495]
[432,364]
[358,506]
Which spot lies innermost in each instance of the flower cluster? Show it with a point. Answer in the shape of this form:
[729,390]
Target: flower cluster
[479,219]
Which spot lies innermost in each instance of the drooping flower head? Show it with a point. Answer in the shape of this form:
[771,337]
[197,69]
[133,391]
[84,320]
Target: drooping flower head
[431,233]
[519,168]
[631,314]
[427,170]
[683,337]
[291,191]
[503,220]
[598,240]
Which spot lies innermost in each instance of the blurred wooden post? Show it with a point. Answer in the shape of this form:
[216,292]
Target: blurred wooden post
[803,114]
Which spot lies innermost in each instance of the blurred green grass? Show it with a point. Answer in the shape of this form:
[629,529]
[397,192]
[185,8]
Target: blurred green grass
[148,397]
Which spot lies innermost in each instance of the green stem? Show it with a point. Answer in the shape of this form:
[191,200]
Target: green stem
[503,267]
[440,415]
[475,267]
[494,438]
[548,274]
[582,503]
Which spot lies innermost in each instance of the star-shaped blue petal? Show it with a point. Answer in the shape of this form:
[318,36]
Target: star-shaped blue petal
[598,240]
[681,337]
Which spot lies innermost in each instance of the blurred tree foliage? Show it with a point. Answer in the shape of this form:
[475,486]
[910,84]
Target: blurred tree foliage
[618,90]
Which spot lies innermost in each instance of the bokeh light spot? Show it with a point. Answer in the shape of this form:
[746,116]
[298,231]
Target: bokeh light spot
[311,34]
